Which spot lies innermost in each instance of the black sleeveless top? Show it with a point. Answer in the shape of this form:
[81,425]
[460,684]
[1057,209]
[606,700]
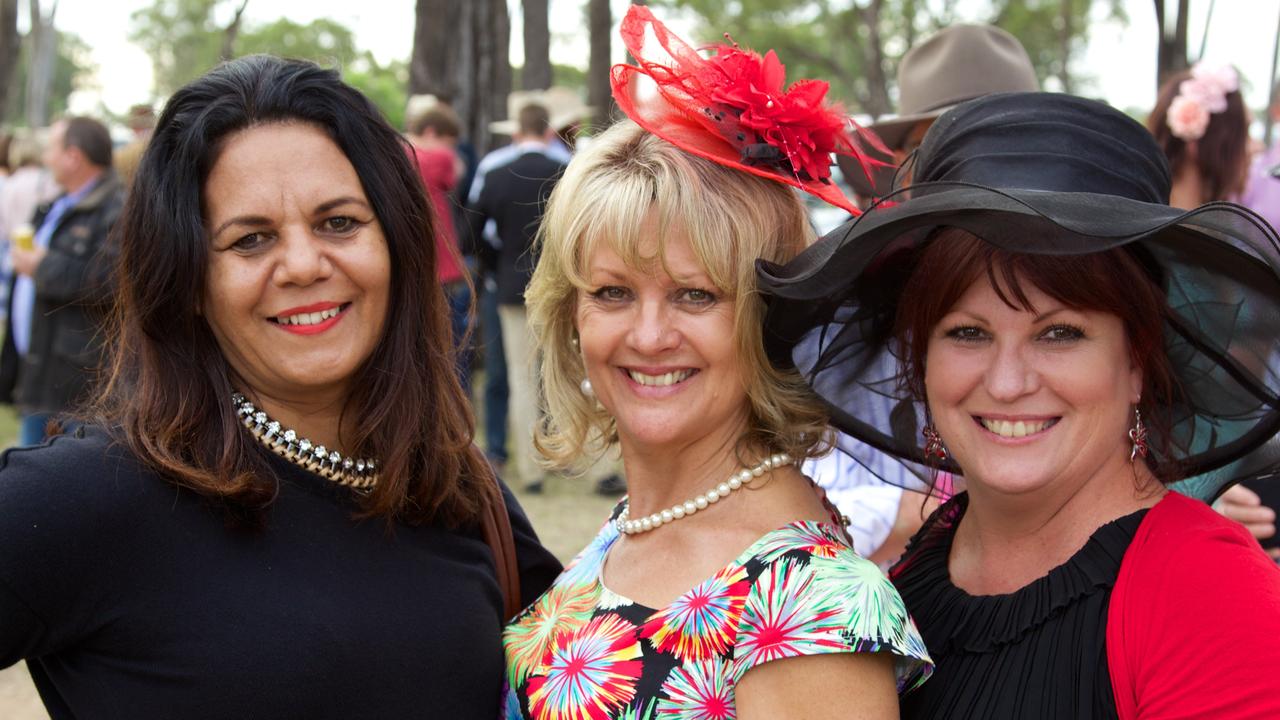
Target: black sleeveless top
[1038,652]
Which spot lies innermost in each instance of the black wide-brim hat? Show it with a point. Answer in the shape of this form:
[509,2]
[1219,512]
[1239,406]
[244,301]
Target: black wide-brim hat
[1053,174]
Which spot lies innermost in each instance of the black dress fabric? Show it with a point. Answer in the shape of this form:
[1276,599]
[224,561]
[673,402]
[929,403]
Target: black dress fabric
[132,598]
[1038,652]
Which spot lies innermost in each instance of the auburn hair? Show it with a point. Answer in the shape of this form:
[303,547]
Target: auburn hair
[166,390]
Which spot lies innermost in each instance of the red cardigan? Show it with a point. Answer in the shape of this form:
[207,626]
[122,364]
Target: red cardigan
[1193,628]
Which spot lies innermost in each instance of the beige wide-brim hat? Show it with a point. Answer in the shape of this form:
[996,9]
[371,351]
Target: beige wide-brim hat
[563,105]
[956,64]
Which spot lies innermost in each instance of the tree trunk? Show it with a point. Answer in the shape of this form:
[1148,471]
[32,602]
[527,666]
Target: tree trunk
[231,32]
[876,102]
[44,54]
[441,48]
[537,46]
[10,41]
[1171,56]
[1066,31]
[484,75]
[599,92]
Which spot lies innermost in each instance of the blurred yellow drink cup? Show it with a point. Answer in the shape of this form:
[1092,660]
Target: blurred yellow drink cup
[24,237]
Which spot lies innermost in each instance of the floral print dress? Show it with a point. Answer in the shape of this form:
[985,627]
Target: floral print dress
[583,652]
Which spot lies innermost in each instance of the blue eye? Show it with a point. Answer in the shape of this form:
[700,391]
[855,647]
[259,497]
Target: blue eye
[610,293]
[697,296]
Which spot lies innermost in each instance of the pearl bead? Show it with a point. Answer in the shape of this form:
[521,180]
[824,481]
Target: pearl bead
[627,526]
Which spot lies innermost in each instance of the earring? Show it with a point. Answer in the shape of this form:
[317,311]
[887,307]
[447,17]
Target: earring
[586,388]
[933,447]
[1138,436]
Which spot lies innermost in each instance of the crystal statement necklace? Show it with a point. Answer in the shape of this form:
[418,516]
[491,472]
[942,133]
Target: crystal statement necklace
[328,464]
[627,526]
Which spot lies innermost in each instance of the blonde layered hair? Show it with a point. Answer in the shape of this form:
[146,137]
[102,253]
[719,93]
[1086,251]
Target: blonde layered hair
[609,194]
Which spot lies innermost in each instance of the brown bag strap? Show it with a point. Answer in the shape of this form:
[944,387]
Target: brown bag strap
[497,533]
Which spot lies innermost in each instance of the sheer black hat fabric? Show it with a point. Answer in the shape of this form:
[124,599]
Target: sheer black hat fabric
[1053,174]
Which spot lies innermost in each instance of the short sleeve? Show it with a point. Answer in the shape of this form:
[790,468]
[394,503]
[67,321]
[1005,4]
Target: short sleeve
[1192,594]
[827,599]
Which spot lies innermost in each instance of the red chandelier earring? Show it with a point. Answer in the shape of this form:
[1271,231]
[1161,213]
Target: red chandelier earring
[933,447]
[1138,436]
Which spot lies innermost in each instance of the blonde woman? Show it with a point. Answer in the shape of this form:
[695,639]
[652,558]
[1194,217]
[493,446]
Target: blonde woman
[723,585]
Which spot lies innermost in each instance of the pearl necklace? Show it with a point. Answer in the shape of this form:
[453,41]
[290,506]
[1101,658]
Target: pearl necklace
[701,502]
[330,465]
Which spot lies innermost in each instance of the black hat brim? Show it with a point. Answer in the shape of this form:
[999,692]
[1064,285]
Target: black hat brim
[1219,265]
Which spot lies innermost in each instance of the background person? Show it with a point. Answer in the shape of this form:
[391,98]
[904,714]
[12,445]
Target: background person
[648,327]
[1037,302]
[277,510]
[62,284]
[1202,126]
[433,134]
[513,195]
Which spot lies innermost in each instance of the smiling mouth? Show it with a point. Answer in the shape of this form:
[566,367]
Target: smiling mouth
[311,318]
[666,379]
[1017,428]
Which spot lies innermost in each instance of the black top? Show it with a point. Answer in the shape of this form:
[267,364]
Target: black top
[132,598]
[1038,652]
[514,196]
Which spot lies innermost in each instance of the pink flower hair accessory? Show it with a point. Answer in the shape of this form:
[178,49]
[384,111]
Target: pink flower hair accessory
[1200,96]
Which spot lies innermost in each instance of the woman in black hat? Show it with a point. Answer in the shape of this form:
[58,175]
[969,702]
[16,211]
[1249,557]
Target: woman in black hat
[1049,328]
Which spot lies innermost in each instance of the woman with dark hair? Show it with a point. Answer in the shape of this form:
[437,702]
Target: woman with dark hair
[276,509]
[1050,330]
[1202,125]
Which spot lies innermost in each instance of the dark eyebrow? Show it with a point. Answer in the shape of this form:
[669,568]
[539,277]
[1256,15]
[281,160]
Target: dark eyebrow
[339,202]
[248,220]
[260,221]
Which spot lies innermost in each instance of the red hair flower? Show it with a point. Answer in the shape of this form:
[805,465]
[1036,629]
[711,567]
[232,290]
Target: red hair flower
[735,109]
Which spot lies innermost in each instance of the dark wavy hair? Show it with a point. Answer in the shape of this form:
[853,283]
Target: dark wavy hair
[1222,155]
[167,387]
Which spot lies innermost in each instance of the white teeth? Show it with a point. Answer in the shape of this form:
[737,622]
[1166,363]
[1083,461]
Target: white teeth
[663,380]
[1018,429]
[314,318]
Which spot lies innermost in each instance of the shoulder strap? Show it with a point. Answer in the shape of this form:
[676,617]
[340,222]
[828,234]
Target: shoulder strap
[497,533]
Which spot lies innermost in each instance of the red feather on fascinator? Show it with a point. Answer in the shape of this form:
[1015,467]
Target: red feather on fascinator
[734,108]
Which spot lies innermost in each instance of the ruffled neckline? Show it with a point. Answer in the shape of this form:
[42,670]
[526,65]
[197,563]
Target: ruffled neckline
[951,619]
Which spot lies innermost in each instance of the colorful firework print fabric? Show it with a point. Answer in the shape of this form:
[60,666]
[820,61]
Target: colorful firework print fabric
[582,652]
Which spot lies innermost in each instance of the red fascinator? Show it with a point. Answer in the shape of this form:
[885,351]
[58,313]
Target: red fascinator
[732,108]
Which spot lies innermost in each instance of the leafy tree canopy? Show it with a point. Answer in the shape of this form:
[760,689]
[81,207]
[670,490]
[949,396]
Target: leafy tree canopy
[185,39]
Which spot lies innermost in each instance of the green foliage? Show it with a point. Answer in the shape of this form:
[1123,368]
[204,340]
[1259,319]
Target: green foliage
[185,39]
[831,39]
[181,37]
[323,41]
[70,69]
[386,85]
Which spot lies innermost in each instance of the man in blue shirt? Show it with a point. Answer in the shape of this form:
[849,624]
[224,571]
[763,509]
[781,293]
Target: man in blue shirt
[62,283]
